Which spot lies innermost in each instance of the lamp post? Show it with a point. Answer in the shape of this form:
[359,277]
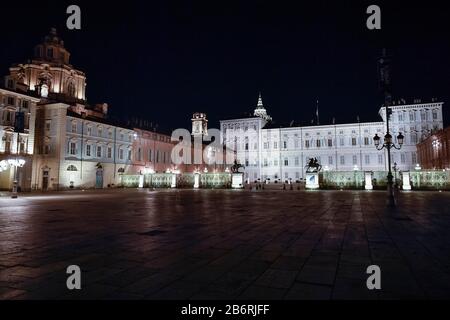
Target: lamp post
[384,73]
[389,144]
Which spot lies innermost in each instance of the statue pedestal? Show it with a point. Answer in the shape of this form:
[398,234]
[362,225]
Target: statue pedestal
[368,180]
[196,180]
[406,180]
[237,180]
[312,180]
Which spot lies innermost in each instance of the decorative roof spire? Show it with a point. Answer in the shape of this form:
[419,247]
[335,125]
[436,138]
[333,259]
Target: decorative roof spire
[260,111]
[260,103]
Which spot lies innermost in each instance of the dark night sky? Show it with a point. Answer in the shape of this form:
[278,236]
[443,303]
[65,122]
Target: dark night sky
[164,60]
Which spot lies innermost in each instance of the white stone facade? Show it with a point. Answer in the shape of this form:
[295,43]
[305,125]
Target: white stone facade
[282,153]
[16,145]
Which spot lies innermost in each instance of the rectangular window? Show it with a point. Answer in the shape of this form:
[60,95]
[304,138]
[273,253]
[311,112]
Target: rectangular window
[109,152]
[306,143]
[435,115]
[74,127]
[22,146]
[286,175]
[99,151]
[129,154]
[400,116]
[88,150]
[341,141]
[89,131]
[266,145]
[139,154]
[7,115]
[275,145]
[286,161]
[413,157]
[121,154]
[330,142]
[297,175]
[366,141]
[284,144]
[353,141]
[99,131]
[265,162]
[318,143]
[380,159]
[355,160]
[47,125]
[275,162]
[342,160]
[403,158]
[73,148]
[150,155]
[296,143]
[246,146]
[11,101]
[330,159]
[367,159]
[296,161]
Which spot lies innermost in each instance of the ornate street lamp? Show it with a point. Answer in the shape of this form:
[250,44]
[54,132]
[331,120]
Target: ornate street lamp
[389,144]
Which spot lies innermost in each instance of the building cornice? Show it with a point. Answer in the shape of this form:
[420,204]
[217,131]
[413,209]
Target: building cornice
[6,91]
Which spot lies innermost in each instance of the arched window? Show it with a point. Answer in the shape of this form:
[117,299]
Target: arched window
[71,89]
[72,168]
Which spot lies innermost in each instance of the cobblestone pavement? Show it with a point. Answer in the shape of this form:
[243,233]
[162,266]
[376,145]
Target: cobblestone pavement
[224,244]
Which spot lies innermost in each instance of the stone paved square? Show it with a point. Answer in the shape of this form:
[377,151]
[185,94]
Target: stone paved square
[224,244]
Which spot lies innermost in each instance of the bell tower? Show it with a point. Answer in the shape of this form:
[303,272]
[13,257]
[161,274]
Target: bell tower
[199,124]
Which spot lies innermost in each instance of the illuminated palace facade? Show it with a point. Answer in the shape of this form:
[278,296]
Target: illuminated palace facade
[66,143]
[63,142]
[281,153]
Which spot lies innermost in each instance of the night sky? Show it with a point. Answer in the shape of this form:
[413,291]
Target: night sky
[163,60]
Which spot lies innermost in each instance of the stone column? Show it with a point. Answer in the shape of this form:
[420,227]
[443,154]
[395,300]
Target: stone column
[174,181]
[368,180]
[406,180]
[196,180]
